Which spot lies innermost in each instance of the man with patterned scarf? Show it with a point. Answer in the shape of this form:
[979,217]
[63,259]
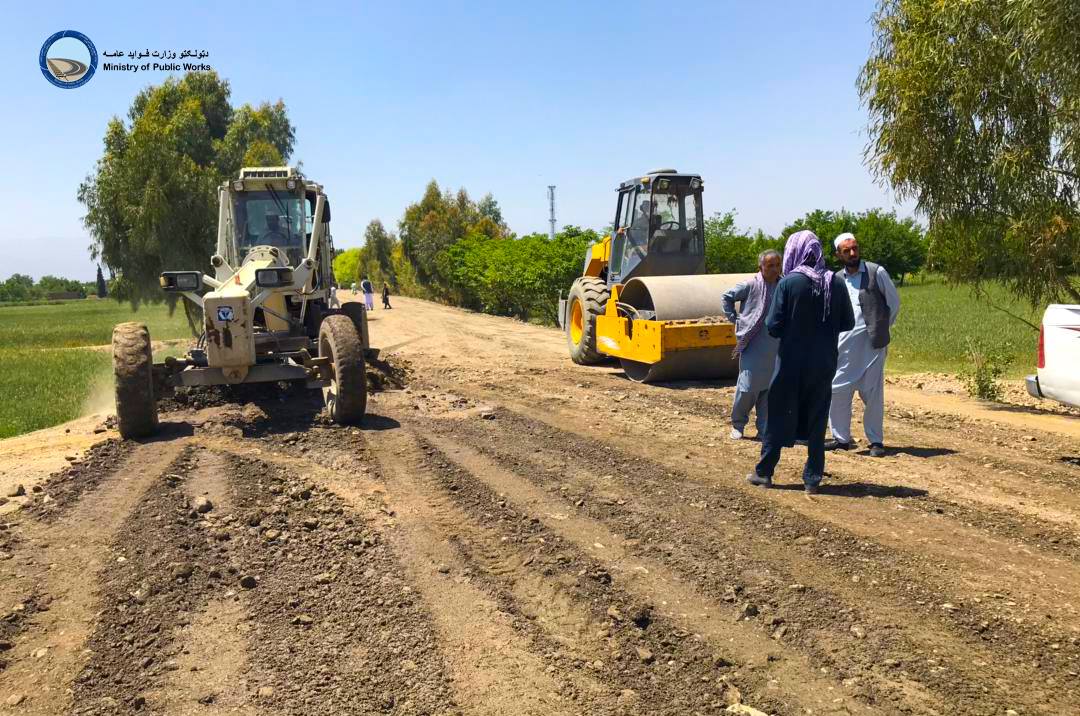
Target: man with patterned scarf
[755,347]
[808,311]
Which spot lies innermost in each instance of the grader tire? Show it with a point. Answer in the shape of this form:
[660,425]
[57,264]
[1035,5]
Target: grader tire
[136,407]
[587,299]
[346,396]
[357,313]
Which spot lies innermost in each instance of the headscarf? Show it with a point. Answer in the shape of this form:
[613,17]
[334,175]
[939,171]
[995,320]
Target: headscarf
[802,254]
[761,292]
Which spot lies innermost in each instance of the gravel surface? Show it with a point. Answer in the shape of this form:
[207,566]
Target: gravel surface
[506,533]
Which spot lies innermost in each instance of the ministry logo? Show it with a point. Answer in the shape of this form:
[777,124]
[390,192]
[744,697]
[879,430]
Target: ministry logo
[68,59]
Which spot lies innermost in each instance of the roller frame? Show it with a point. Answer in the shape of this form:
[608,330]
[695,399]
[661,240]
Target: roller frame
[673,345]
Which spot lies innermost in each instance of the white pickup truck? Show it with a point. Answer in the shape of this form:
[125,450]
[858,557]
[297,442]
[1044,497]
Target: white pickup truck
[1059,356]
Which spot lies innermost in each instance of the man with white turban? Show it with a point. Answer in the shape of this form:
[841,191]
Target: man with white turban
[862,350]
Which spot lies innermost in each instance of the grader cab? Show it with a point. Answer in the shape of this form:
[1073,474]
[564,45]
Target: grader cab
[268,312]
[643,297]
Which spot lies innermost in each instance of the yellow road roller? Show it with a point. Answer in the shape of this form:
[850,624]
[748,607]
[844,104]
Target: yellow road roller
[644,297]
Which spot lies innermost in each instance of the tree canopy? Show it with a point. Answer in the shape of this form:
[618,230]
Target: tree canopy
[438,221]
[975,114]
[151,201]
[897,244]
[731,250]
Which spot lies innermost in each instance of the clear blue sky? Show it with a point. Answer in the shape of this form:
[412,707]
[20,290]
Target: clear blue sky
[494,96]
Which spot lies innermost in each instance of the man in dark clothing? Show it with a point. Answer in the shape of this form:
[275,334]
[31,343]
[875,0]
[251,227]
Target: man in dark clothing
[386,296]
[809,309]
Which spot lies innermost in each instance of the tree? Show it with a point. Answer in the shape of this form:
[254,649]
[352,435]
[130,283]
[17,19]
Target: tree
[18,287]
[729,250]
[975,114]
[346,265]
[53,284]
[102,289]
[827,225]
[379,245]
[897,244]
[151,202]
[488,208]
[434,224]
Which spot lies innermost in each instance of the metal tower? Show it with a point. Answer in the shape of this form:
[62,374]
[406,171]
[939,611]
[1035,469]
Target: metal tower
[551,207]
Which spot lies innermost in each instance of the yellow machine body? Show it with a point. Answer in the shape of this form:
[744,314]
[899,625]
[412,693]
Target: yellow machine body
[643,297]
[650,341]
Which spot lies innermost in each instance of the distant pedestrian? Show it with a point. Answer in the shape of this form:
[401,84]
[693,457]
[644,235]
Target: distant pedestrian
[354,287]
[386,295]
[369,293]
[862,350]
[754,346]
[809,310]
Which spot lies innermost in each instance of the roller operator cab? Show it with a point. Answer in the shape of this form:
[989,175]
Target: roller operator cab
[643,296]
[269,312]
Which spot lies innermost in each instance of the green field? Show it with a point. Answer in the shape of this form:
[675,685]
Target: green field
[937,320]
[82,323]
[49,374]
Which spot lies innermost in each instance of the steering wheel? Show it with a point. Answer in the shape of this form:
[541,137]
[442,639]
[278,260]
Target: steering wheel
[670,226]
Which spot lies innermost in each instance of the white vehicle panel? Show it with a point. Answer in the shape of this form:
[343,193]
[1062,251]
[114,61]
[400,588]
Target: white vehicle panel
[1059,377]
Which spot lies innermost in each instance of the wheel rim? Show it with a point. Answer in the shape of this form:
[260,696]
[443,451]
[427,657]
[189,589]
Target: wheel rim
[577,322]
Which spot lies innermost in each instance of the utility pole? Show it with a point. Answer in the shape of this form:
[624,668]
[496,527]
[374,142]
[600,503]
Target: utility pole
[551,206]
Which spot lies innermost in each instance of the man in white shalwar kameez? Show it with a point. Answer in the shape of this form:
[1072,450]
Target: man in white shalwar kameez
[861,363]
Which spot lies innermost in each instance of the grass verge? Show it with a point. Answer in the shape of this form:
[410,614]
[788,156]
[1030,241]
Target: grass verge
[50,374]
[46,387]
[936,321]
[83,323]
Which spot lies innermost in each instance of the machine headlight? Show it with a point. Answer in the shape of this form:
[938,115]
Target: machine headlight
[290,184]
[273,277]
[238,185]
[181,281]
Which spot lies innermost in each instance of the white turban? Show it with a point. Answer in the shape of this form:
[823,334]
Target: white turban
[846,236]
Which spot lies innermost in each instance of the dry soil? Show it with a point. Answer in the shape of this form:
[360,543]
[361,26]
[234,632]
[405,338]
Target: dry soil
[509,534]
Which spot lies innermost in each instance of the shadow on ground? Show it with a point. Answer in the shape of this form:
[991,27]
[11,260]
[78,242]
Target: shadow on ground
[859,489]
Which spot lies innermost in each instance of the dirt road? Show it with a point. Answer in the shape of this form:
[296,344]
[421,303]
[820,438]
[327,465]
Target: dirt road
[513,534]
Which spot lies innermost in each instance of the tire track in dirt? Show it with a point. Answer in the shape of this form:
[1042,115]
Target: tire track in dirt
[209,672]
[162,578]
[986,548]
[335,626]
[493,670]
[965,623]
[646,581]
[543,592]
[62,563]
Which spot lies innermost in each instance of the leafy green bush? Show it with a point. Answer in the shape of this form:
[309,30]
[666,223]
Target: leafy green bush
[987,363]
[515,277]
[899,245]
[729,250]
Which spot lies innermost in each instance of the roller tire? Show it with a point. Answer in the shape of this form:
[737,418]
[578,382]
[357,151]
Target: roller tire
[592,294]
[133,368]
[346,396]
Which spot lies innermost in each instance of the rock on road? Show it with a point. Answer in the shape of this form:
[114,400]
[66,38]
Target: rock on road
[513,534]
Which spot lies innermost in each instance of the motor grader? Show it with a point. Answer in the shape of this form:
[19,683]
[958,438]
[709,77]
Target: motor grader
[269,312]
[643,296]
